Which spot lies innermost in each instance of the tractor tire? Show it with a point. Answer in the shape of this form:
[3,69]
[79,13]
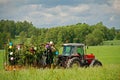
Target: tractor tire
[97,63]
[74,62]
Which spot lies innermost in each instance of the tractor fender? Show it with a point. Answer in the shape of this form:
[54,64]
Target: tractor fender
[95,62]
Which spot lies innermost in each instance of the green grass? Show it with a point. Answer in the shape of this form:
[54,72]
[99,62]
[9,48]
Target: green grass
[1,59]
[112,42]
[110,72]
[108,55]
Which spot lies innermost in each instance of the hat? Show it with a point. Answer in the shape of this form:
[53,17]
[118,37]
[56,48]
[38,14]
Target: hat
[51,42]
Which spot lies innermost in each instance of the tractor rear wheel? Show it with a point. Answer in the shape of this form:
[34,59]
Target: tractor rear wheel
[74,62]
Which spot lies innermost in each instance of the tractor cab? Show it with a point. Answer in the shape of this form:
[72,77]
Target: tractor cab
[72,49]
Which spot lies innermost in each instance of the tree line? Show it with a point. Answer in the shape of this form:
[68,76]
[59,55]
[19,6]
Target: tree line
[77,33]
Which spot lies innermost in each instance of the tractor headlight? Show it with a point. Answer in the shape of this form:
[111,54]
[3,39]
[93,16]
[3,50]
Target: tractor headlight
[11,53]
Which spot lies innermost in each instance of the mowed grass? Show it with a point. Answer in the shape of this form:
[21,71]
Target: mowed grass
[111,42]
[108,55]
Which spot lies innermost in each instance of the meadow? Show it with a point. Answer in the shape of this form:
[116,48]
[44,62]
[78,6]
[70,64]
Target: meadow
[108,55]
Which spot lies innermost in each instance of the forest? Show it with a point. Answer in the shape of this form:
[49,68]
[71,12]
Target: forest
[77,33]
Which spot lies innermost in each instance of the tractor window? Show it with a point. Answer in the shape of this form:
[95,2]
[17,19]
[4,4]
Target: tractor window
[73,49]
[80,50]
[66,50]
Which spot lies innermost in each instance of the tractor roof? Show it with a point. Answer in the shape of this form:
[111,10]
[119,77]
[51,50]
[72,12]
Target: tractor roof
[73,44]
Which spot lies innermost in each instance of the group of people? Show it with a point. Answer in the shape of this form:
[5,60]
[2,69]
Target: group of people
[50,52]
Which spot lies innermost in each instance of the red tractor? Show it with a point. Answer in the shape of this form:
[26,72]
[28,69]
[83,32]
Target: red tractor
[74,55]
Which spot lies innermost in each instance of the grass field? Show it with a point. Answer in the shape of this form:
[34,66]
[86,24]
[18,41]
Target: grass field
[111,42]
[108,55]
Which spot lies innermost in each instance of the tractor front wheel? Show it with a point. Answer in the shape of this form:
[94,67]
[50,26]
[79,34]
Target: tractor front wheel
[97,63]
[74,62]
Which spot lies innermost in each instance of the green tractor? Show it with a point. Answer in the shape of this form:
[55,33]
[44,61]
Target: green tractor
[74,55]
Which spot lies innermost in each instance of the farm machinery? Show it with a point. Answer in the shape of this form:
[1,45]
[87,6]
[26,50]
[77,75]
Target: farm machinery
[73,54]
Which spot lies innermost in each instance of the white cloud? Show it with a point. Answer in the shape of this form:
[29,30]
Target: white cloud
[54,15]
[80,8]
[39,14]
[116,5]
[4,1]
[64,15]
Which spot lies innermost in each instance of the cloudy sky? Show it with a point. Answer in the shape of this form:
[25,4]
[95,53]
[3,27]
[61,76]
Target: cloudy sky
[51,13]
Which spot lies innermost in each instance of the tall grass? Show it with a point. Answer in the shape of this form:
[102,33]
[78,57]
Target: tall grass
[1,59]
[108,55]
[107,72]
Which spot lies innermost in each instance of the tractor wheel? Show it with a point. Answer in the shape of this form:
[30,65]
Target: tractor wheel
[97,63]
[74,62]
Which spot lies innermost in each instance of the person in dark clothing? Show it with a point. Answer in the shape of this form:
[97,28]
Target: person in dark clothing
[49,59]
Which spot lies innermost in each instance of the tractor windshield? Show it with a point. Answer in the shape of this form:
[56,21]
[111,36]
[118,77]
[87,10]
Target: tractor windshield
[68,50]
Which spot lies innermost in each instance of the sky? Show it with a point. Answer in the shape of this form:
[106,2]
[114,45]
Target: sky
[53,13]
